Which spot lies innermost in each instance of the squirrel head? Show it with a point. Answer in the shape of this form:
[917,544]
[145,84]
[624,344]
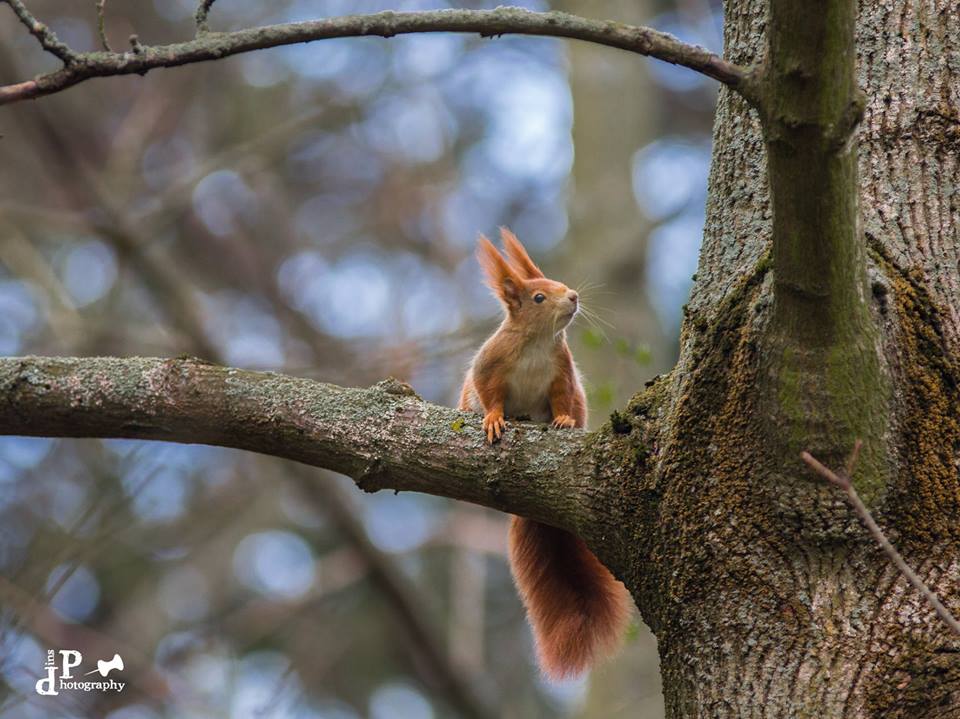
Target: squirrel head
[530,299]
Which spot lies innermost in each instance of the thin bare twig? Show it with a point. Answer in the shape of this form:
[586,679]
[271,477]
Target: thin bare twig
[203,10]
[854,457]
[487,23]
[45,36]
[843,482]
[101,30]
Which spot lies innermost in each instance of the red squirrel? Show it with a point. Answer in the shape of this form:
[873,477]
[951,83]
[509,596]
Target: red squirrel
[577,609]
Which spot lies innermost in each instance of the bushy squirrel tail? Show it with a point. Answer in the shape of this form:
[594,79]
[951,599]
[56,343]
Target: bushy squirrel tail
[578,610]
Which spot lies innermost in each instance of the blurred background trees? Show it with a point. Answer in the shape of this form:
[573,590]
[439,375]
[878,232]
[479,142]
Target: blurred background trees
[313,209]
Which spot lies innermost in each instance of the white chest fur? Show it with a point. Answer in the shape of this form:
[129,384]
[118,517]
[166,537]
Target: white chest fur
[528,384]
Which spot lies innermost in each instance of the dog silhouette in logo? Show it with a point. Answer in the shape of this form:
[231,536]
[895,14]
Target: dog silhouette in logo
[106,667]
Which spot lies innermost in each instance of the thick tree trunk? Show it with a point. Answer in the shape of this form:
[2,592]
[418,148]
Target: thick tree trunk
[767,597]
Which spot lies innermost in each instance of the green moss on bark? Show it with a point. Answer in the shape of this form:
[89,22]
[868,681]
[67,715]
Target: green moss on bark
[922,681]
[924,499]
[710,465]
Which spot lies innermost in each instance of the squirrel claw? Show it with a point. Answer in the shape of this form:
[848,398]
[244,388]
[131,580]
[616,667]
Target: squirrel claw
[564,421]
[494,426]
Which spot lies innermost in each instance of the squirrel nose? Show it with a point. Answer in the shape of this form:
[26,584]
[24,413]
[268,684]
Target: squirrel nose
[573,296]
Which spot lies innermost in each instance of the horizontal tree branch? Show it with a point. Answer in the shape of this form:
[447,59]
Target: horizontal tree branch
[384,437]
[488,23]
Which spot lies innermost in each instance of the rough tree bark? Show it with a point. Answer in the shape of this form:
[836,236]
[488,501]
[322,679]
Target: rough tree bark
[813,321]
[767,597]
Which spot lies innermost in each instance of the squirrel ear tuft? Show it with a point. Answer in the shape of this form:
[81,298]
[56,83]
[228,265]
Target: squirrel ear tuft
[501,277]
[518,256]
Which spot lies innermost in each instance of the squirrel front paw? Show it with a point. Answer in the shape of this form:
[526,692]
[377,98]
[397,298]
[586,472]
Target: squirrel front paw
[564,421]
[493,426]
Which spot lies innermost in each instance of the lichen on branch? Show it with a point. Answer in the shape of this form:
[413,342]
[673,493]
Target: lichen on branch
[384,437]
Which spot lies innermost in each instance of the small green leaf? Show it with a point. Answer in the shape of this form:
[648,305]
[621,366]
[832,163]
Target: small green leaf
[457,425]
[643,355]
[592,338]
[602,395]
[622,347]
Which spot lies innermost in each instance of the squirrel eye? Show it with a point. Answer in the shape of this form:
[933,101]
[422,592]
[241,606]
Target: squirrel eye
[539,297]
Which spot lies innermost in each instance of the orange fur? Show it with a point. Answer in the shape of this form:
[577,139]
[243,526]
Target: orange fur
[567,400]
[501,277]
[518,256]
[578,610]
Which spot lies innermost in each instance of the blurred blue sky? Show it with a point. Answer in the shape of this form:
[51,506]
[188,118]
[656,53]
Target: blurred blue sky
[507,105]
